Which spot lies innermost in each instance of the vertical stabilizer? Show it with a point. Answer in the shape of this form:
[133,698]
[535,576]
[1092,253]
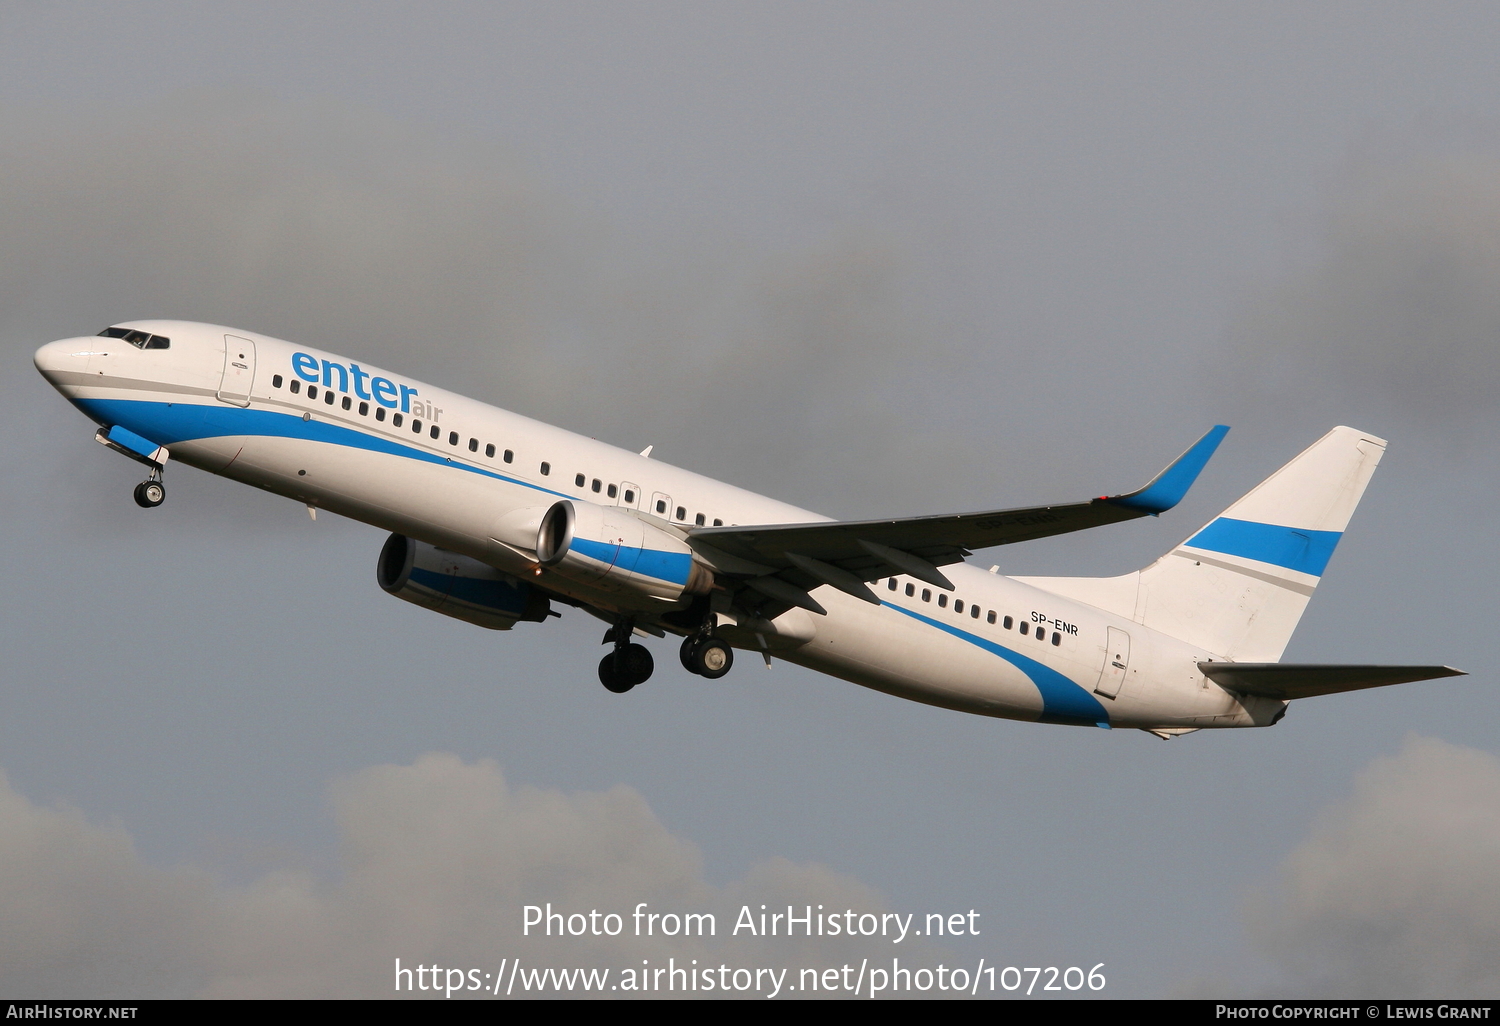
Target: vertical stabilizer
[1239,586]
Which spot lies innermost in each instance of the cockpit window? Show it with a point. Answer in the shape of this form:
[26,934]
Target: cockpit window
[136,337]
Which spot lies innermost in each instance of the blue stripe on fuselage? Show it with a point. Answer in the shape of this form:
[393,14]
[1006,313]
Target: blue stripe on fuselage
[1063,700]
[1295,548]
[170,423]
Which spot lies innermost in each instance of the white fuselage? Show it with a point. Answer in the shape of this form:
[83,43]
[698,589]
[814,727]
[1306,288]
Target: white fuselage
[461,475]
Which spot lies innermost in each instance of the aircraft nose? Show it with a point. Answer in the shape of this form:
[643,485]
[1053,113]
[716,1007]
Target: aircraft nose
[59,361]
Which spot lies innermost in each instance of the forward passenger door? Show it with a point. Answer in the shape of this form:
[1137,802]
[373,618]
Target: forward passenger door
[239,370]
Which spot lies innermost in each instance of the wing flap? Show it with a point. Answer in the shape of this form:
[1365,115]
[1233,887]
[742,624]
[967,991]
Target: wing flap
[1289,681]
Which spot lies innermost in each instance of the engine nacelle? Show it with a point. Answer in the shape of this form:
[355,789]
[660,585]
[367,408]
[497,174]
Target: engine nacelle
[608,548]
[456,585]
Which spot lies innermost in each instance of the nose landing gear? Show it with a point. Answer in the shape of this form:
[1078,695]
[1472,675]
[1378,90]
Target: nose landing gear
[150,493]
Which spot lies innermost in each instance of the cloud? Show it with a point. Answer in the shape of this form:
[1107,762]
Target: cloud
[437,861]
[1397,891]
[81,916]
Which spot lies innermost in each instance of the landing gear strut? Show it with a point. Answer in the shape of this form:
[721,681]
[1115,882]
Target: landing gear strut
[628,665]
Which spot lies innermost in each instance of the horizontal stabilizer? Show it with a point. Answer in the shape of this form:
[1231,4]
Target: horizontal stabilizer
[1287,681]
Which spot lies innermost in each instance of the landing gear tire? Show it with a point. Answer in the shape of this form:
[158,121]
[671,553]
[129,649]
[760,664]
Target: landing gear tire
[712,658]
[150,494]
[624,668]
[689,647]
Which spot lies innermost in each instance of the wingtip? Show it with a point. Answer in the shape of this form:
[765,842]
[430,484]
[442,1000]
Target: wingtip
[1168,488]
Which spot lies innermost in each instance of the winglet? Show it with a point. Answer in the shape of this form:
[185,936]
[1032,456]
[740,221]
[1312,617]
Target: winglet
[1167,488]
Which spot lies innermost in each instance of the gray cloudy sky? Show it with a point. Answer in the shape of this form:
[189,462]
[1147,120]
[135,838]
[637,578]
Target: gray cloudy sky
[870,258]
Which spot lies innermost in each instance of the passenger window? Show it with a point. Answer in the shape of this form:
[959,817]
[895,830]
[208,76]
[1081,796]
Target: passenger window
[612,491]
[380,413]
[926,594]
[595,485]
[661,505]
[718,522]
[911,589]
[364,409]
[295,386]
[329,397]
[437,431]
[509,455]
[416,426]
[1007,623]
[395,420]
[1056,638]
[275,380]
[578,480]
[681,513]
[958,605]
[347,402]
[546,469]
[630,496]
[312,391]
[974,612]
[991,617]
[489,450]
[1024,627]
[942,600]
[474,445]
[698,520]
[453,440]
[891,585]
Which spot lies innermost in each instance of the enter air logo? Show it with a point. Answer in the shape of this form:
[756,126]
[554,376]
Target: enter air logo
[337,376]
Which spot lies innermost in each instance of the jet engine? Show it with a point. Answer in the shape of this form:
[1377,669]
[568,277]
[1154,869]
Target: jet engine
[607,548]
[456,585]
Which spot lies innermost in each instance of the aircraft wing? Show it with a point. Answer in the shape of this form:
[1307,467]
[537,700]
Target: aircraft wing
[783,561]
[1291,680]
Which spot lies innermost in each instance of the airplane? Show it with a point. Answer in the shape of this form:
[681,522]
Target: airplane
[495,517]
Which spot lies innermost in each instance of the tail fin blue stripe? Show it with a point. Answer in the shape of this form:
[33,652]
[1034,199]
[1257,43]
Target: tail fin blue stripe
[1295,548]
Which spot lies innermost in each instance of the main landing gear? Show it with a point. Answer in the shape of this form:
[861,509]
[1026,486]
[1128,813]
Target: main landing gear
[631,664]
[707,656]
[628,665]
[151,492]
